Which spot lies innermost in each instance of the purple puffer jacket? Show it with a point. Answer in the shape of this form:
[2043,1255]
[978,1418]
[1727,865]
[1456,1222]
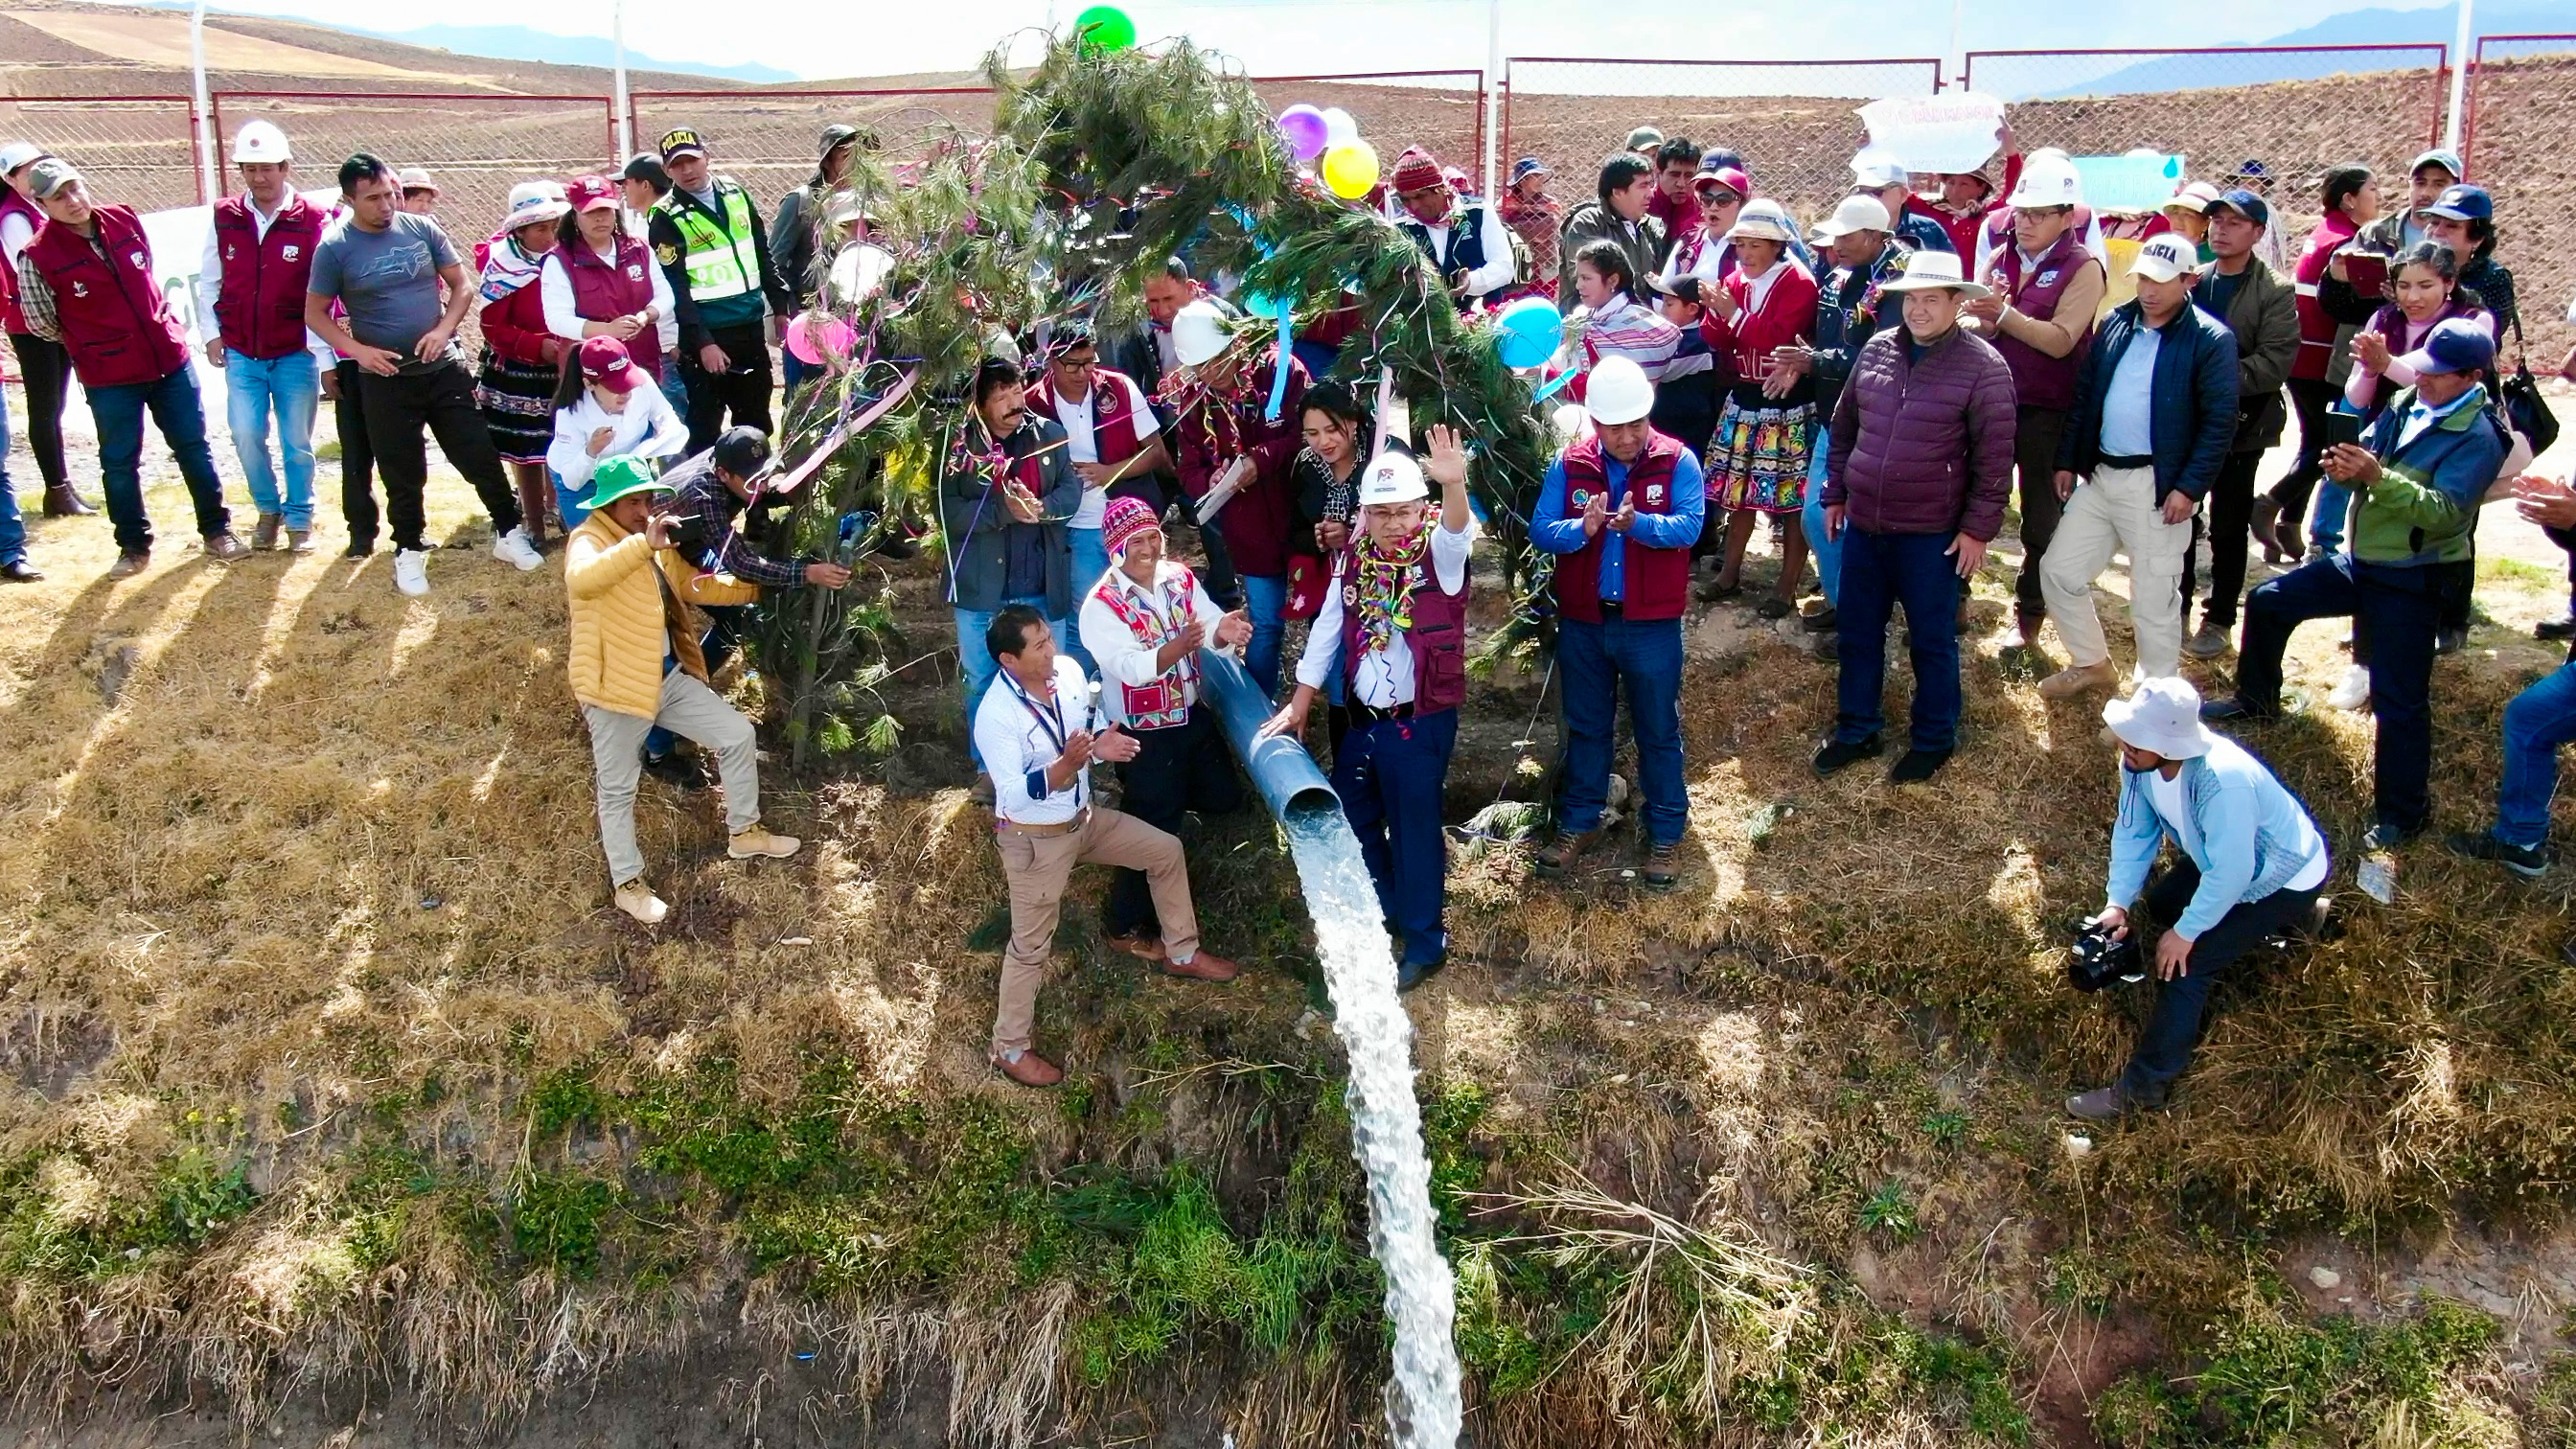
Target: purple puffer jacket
[1924,447]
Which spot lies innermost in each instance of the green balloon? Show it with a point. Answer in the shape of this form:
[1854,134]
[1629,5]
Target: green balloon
[1105,27]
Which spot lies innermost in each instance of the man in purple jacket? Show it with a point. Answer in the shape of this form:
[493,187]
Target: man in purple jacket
[1915,484]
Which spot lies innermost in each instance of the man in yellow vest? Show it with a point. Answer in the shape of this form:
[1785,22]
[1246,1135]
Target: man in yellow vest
[708,238]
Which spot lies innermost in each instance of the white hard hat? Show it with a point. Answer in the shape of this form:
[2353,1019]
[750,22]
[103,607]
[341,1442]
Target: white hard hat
[261,142]
[1199,332]
[2047,180]
[1393,478]
[1618,391]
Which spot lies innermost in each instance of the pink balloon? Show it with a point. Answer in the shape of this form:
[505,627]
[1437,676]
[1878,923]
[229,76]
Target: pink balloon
[812,337]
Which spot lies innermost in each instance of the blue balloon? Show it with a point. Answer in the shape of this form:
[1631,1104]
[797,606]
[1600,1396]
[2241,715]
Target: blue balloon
[1530,330]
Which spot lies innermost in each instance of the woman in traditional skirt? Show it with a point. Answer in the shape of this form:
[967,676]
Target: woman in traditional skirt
[1757,461]
[522,360]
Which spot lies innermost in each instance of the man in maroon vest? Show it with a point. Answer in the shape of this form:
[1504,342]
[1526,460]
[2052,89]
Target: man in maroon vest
[2047,290]
[1112,437]
[86,282]
[1395,623]
[250,311]
[1620,509]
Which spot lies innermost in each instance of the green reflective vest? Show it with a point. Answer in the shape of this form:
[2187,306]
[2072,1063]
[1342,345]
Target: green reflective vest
[722,262]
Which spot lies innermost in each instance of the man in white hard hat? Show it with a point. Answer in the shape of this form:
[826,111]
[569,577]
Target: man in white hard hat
[1996,233]
[1233,456]
[1879,175]
[2047,291]
[2154,407]
[250,316]
[1620,509]
[1395,623]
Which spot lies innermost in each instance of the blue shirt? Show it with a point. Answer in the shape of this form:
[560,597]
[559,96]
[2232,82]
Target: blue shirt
[1678,529]
[2129,403]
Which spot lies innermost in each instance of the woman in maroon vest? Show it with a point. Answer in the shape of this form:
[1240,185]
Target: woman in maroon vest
[1395,624]
[601,282]
[86,281]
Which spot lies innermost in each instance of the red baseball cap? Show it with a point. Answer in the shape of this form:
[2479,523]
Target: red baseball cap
[589,193]
[604,361]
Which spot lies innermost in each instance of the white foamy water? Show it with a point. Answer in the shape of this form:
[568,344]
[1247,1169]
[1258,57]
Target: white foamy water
[1386,1125]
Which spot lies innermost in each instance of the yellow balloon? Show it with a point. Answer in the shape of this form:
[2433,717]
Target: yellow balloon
[1350,169]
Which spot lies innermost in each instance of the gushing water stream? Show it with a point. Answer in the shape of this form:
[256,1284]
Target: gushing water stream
[1386,1123]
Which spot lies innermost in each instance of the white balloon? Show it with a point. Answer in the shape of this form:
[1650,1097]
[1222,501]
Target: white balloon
[1339,128]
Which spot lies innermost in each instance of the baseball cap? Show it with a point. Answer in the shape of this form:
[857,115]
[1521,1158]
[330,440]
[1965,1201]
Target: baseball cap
[1854,213]
[2166,257]
[2454,345]
[590,193]
[2462,203]
[1644,136]
[1877,170]
[2245,204]
[682,142]
[1684,286]
[645,166]
[604,360]
[2442,156]
[49,175]
[1392,478]
[1527,167]
[1715,173]
[17,154]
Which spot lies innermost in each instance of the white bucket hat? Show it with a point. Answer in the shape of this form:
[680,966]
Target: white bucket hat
[2163,718]
[1931,271]
[1763,221]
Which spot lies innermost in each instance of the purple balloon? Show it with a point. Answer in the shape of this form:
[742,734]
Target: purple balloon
[1304,128]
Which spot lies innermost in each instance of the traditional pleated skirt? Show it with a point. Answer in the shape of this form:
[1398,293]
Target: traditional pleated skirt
[518,403]
[1757,459]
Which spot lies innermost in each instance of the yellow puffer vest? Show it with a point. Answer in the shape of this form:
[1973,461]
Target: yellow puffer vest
[626,612]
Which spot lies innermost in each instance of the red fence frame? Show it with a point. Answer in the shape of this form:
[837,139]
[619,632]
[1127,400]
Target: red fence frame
[1503,145]
[188,114]
[2440,53]
[2477,65]
[373,99]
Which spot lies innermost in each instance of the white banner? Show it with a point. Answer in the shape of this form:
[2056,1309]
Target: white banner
[1943,133]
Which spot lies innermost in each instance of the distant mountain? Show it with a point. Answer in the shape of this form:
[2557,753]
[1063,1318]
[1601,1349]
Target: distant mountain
[2377,26]
[518,42]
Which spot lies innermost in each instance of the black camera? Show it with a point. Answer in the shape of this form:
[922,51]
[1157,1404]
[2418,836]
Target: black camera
[2098,959]
[689,538]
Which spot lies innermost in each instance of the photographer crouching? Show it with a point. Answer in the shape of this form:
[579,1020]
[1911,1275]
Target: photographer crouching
[2251,863]
[636,667]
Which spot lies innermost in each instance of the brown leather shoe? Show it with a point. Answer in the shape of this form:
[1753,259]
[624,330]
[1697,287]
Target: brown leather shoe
[1562,851]
[1031,1070]
[224,548]
[62,502]
[1138,945]
[1664,866]
[1205,966]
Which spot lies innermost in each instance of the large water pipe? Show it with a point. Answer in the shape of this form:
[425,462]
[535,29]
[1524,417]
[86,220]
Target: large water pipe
[1279,766]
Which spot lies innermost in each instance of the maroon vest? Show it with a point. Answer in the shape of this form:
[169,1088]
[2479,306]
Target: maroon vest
[1437,636]
[2039,380]
[1655,581]
[112,315]
[12,204]
[604,291]
[1113,418]
[261,304]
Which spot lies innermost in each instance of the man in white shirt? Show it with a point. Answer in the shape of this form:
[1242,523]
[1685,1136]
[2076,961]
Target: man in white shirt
[250,318]
[1394,621]
[1111,435]
[1468,245]
[1145,619]
[2250,865]
[1034,733]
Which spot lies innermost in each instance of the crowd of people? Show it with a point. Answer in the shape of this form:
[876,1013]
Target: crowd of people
[1876,392]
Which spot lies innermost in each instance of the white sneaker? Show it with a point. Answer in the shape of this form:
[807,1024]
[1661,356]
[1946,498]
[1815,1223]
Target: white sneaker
[2354,691]
[516,549]
[411,571]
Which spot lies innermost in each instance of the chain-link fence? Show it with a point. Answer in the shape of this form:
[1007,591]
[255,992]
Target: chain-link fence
[138,151]
[1440,110]
[2521,105]
[475,147]
[1794,121]
[768,139]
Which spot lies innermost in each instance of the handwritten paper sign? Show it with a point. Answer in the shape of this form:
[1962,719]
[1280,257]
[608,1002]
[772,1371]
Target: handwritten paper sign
[2129,183]
[1935,133]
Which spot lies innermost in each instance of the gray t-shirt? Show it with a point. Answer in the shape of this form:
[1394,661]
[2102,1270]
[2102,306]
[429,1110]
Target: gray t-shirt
[386,280]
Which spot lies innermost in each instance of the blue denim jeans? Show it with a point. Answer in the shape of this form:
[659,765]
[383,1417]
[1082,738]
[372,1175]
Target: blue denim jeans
[568,501]
[1828,551]
[2165,1047]
[1392,775]
[289,388]
[977,662]
[1597,659]
[675,391]
[2539,720]
[1090,561]
[175,409]
[2398,609]
[1266,600]
[13,528]
[1880,571]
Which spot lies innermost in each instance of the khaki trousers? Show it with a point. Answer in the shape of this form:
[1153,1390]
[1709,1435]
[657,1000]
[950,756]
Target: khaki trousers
[2114,511]
[1038,866]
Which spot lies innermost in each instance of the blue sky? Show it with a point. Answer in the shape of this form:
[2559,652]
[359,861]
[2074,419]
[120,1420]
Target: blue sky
[873,37]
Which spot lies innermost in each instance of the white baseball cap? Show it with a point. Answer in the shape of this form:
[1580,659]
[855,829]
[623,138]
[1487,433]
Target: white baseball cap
[261,141]
[2166,257]
[1878,170]
[1856,213]
[1618,392]
[1394,478]
[17,154]
[1199,332]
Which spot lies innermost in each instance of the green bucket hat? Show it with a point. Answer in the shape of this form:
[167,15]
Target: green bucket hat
[620,476]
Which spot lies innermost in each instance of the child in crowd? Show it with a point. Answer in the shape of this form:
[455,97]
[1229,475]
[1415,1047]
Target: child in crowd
[603,411]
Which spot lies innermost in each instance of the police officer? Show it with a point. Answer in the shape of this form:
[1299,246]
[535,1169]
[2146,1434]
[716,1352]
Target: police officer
[708,238]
